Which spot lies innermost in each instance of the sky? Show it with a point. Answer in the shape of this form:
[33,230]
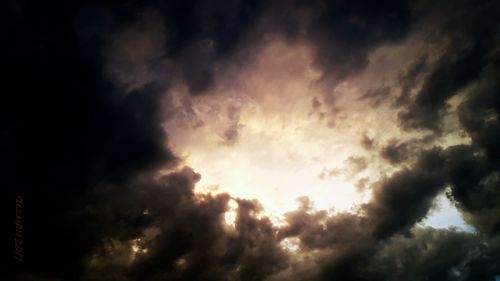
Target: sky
[251,140]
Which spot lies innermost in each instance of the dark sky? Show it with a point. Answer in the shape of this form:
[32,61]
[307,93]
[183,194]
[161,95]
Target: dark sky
[114,112]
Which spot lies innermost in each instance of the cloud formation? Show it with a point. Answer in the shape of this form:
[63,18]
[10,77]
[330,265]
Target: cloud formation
[96,91]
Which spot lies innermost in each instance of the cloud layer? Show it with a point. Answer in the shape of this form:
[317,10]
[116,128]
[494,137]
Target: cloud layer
[101,98]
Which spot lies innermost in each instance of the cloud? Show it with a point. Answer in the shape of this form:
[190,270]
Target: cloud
[408,79]
[367,142]
[344,34]
[232,132]
[404,199]
[396,152]
[135,54]
[86,133]
[468,48]
[376,96]
[353,166]
[422,254]
[181,236]
[90,85]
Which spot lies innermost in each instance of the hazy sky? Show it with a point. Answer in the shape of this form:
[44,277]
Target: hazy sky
[252,140]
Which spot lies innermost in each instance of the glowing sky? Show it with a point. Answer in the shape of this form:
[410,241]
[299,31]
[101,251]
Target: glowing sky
[270,133]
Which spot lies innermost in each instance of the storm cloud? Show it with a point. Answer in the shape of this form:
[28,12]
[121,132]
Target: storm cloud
[93,95]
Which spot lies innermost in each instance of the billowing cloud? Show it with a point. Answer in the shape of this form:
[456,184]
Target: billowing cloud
[163,140]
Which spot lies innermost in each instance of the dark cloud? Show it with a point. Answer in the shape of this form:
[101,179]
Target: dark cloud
[349,252]
[203,34]
[470,44]
[478,114]
[345,32]
[316,107]
[408,79]
[381,242]
[231,134]
[367,142]
[474,181]
[422,255]
[179,236]
[474,169]
[134,54]
[73,130]
[342,240]
[403,199]
[167,40]
[395,152]
[470,170]
[376,96]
